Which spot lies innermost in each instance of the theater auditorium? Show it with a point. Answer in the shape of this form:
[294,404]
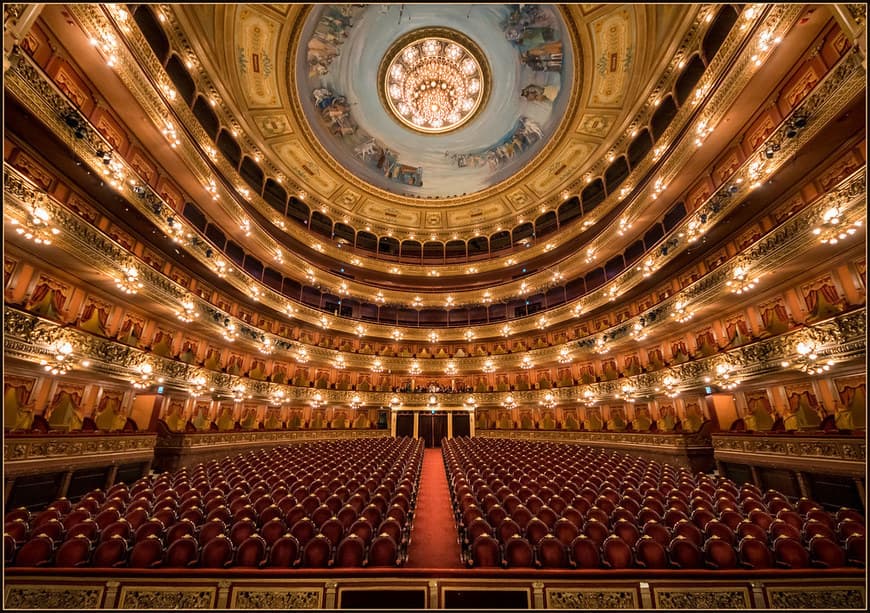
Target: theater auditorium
[434,306]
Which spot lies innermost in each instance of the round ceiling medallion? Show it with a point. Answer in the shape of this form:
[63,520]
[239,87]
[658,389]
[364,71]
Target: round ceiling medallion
[434,80]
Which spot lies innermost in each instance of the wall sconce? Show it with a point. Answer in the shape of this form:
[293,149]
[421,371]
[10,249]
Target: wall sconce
[127,279]
[61,360]
[741,282]
[144,380]
[37,227]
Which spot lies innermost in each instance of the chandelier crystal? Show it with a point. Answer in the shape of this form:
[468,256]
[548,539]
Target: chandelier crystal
[434,83]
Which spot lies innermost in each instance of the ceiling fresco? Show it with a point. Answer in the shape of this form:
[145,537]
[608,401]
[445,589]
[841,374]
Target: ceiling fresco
[527,64]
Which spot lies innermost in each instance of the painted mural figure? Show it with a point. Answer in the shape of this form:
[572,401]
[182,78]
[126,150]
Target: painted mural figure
[546,57]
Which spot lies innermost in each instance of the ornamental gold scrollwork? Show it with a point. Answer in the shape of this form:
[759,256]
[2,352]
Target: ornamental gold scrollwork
[591,599]
[702,599]
[178,598]
[52,597]
[277,600]
[816,598]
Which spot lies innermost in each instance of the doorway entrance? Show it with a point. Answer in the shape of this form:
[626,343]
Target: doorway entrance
[433,427]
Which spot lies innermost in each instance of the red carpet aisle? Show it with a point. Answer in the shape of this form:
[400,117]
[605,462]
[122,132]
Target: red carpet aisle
[434,540]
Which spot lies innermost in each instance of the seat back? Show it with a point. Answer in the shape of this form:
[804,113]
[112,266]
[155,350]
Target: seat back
[112,551]
[217,553]
[182,552]
[351,552]
[719,553]
[518,553]
[146,553]
[790,553]
[551,553]
[317,552]
[650,553]
[75,551]
[616,553]
[383,551]
[284,553]
[485,552]
[35,552]
[251,552]
[584,553]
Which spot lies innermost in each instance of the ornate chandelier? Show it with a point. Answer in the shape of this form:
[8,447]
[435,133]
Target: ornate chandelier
[434,81]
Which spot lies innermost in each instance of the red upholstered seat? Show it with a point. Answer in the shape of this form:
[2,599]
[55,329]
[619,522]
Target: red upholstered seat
[111,552]
[565,531]
[761,518]
[848,526]
[182,552]
[754,553]
[720,530]
[150,527]
[626,530]
[17,529]
[251,552]
[845,513]
[147,553]
[616,553]
[683,553]
[351,552]
[650,553]
[383,551]
[658,531]
[518,553]
[551,553]
[584,553]
[536,530]
[217,553]
[790,553]
[826,552]
[779,527]
[813,527]
[719,553]
[284,553]
[106,517]
[87,528]
[688,530]
[731,519]
[75,551]
[484,552]
[856,551]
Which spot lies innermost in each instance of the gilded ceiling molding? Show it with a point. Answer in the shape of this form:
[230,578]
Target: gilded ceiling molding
[839,85]
[786,242]
[29,338]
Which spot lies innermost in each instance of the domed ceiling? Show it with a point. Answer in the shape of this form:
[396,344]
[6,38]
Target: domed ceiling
[494,79]
[311,91]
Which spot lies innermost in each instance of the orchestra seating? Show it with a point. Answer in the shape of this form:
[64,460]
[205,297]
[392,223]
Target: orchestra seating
[548,505]
[343,503]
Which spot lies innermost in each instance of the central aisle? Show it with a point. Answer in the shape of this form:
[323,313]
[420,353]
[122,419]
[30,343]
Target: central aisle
[434,540]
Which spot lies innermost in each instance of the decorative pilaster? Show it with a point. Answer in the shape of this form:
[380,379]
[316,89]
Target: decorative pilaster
[416,424]
[433,594]
[223,595]
[331,593]
[450,425]
[538,595]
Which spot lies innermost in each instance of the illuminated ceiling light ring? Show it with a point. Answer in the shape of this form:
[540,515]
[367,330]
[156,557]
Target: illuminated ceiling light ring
[434,80]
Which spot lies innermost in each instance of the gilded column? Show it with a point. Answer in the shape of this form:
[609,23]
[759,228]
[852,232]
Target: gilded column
[450,425]
[16,28]
[393,416]
[416,424]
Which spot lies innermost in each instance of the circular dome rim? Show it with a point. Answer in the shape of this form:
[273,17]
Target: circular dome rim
[561,131]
